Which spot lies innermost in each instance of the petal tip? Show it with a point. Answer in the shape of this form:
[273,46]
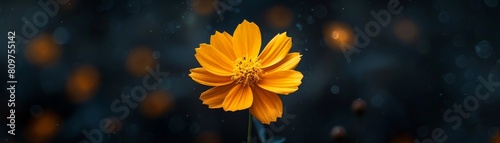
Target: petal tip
[193,69]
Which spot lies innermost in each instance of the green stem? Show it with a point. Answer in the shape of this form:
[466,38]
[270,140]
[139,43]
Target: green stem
[249,133]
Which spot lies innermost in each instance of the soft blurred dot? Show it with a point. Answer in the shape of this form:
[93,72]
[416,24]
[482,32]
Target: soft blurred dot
[444,16]
[338,133]
[36,110]
[42,51]
[449,78]
[319,11]
[358,106]
[335,89]
[461,61]
[406,30]
[82,83]
[156,104]
[299,26]
[337,34]
[340,35]
[194,128]
[402,138]
[61,35]
[310,19]
[202,7]
[208,137]
[176,124]
[43,128]
[189,18]
[139,59]
[491,3]
[279,16]
[483,49]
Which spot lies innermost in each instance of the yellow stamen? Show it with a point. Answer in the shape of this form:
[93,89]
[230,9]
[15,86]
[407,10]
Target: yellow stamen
[246,70]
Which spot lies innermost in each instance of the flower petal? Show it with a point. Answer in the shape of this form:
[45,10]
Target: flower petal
[204,77]
[213,60]
[223,42]
[288,63]
[239,98]
[281,82]
[276,50]
[247,39]
[214,97]
[266,106]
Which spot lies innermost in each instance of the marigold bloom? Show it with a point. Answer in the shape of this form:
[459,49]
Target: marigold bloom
[242,78]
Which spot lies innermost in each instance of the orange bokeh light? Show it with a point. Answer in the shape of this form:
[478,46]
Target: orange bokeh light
[156,104]
[42,51]
[337,34]
[203,7]
[82,83]
[43,128]
[406,30]
[208,137]
[496,138]
[402,138]
[138,60]
[279,16]
[340,35]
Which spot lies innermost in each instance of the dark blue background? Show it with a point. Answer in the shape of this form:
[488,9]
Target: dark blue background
[407,85]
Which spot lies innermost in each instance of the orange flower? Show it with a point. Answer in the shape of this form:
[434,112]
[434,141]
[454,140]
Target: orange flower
[243,79]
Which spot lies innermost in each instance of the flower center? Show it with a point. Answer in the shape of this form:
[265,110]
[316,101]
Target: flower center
[246,70]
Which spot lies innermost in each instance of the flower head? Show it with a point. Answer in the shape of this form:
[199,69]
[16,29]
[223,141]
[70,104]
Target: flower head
[243,78]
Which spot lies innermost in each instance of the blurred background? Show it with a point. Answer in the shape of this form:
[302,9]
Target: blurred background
[77,62]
